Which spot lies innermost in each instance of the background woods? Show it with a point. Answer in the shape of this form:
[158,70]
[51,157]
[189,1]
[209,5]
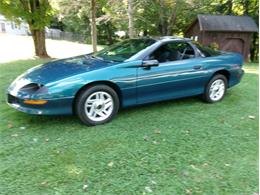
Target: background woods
[110,20]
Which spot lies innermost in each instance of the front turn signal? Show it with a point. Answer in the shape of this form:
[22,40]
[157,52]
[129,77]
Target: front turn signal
[35,102]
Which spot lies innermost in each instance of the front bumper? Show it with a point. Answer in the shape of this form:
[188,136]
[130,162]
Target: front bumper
[60,106]
[241,73]
[236,76]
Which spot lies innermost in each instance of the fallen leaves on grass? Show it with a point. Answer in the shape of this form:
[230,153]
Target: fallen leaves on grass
[158,132]
[10,125]
[185,173]
[171,169]
[146,138]
[187,131]
[110,164]
[205,164]
[148,189]
[188,191]
[193,166]
[85,187]
[219,177]
[222,121]
[14,135]
[44,183]
[155,142]
[72,169]
[251,117]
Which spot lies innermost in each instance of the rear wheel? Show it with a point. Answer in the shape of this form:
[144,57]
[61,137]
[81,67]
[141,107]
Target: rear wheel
[215,89]
[97,105]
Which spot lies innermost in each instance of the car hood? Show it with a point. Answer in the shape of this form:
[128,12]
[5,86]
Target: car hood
[60,69]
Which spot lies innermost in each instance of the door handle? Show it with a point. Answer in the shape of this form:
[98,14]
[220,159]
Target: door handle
[197,67]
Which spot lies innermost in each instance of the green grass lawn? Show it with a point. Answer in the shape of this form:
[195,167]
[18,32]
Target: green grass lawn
[174,147]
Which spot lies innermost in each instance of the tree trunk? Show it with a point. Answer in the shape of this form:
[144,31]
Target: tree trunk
[39,43]
[145,33]
[246,7]
[229,5]
[93,25]
[130,19]
[38,35]
[162,26]
[109,33]
[172,20]
[254,49]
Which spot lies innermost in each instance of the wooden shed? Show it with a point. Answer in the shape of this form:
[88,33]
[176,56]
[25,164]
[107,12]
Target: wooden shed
[231,33]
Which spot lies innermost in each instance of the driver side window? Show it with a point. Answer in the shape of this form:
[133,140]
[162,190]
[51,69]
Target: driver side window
[172,52]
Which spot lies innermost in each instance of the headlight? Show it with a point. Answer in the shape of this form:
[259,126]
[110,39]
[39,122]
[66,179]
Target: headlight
[34,87]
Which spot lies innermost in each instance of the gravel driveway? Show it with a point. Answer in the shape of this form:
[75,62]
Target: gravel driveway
[15,47]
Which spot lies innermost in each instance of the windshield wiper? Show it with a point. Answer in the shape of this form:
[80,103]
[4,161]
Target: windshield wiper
[97,57]
[88,56]
[100,58]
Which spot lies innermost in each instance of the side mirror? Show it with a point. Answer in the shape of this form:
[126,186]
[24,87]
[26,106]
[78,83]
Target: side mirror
[150,63]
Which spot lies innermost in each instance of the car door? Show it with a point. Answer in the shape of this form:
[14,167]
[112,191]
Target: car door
[178,74]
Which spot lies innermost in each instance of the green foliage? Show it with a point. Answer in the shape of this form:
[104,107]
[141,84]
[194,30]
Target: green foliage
[214,46]
[76,18]
[174,147]
[151,17]
[158,17]
[37,13]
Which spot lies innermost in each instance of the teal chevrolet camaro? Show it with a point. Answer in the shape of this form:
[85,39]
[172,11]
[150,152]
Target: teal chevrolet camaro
[133,72]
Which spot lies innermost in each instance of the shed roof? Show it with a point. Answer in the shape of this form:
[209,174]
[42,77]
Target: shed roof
[227,23]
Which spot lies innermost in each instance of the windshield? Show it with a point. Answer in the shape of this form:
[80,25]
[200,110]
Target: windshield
[123,50]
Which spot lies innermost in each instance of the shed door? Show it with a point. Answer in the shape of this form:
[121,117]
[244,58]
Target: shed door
[234,44]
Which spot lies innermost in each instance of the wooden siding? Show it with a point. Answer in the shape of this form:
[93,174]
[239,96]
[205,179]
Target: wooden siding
[227,41]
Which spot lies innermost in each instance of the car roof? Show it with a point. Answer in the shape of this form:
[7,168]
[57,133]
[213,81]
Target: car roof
[164,38]
[171,38]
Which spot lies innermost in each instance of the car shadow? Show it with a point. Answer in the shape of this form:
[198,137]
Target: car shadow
[133,111]
[72,119]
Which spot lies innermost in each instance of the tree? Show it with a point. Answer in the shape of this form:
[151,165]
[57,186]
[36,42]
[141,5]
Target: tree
[148,17]
[163,17]
[37,13]
[75,17]
[93,25]
[130,18]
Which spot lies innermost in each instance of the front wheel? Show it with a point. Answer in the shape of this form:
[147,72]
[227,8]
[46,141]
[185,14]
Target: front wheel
[215,89]
[97,105]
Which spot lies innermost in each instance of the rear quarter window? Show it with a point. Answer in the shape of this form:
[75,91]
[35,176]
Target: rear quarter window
[207,51]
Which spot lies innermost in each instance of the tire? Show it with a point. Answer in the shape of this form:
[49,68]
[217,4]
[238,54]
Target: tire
[97,105]
[211,94]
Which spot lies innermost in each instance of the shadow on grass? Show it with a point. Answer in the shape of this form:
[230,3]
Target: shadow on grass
[193,104]
[133,112]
